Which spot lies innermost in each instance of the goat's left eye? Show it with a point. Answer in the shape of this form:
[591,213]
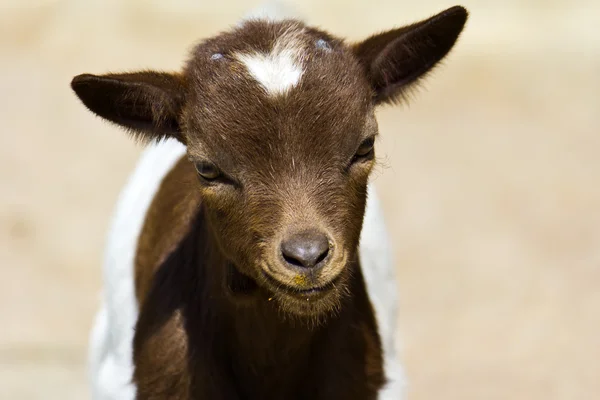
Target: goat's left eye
[365,150]
[207,171]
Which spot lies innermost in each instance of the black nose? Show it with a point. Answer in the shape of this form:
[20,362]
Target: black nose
[305,249]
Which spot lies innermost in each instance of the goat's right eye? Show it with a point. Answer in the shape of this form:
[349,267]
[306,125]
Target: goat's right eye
[207,171]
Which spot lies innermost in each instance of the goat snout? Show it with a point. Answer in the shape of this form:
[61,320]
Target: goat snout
[308,249]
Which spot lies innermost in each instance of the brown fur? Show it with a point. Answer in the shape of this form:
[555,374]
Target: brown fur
[168,220]
[164,373]
[212,284]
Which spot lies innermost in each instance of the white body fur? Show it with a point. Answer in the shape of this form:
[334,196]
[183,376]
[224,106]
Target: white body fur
[111,347]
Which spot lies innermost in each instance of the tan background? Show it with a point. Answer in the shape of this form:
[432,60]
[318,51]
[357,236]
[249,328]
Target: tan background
[490,180]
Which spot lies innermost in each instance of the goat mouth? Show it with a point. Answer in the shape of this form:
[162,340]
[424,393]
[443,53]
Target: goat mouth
[300,292]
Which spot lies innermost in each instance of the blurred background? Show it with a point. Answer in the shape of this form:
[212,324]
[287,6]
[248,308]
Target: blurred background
[490,180]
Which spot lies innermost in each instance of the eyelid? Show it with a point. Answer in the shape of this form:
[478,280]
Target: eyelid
[368,141]
[222,177]
[206,164]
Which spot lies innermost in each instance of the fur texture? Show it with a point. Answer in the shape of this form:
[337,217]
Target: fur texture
[278,123]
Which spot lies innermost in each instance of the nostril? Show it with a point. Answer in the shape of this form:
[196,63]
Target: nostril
[323,255]
[306,249]
[291,260]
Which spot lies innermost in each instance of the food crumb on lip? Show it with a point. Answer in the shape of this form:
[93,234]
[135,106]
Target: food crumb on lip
[300,280]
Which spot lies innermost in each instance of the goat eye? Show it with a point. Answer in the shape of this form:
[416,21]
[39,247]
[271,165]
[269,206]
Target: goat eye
[207,171]
[365,149]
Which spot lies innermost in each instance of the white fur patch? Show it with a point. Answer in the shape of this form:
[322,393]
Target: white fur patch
[111,342]
[278,71]
[378,269]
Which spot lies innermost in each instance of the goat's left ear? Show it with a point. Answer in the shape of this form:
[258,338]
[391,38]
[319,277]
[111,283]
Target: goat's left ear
[395,60]
[147,103]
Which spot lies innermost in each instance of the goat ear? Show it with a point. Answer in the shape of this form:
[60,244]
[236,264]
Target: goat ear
[395,60]
[147,103]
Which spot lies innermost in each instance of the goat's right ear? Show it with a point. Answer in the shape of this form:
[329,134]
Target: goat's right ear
[147,103]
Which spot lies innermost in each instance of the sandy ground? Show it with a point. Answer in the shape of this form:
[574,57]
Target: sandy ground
[490,180]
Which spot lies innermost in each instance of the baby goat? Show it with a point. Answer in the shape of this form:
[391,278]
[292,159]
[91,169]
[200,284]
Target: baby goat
[238,265]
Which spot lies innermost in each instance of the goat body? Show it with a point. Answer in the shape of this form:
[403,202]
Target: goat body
[248,257]
[111,356]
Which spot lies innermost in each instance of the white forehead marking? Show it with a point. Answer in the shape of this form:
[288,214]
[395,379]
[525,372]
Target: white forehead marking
[281,69]
[277,73]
